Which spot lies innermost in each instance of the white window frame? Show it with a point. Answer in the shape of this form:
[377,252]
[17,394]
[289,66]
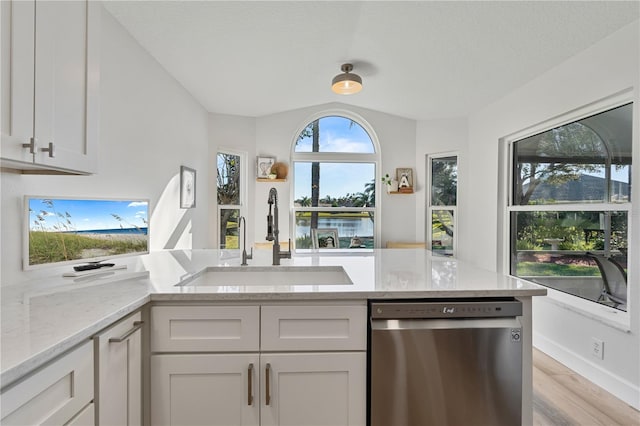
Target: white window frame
[430,208]
[244,165]
[610,316]
[336,157]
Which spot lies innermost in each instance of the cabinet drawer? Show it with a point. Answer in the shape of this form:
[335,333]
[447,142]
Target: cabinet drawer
[205,328]
[314,328]
[54,394]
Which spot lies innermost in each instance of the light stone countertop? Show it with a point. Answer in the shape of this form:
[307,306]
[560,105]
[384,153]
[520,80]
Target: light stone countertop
[45,317]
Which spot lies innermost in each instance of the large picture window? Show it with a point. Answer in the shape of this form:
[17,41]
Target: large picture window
[570,207]
[334,165]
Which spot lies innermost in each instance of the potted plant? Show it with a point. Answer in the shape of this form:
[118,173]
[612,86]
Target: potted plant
[392,184]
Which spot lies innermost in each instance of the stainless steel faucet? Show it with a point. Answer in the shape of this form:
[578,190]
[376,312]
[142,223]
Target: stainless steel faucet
[243,222]
[272,229]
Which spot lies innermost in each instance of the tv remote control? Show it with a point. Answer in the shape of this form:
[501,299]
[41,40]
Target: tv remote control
[91,266]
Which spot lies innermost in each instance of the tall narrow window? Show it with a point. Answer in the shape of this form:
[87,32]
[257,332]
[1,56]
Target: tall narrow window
[230,195]
[334,162]
[442,203]
[570,204]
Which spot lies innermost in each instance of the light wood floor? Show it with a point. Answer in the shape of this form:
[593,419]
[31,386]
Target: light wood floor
[562,397]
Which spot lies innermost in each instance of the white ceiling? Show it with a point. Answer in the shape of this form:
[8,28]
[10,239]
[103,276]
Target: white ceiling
[420,60]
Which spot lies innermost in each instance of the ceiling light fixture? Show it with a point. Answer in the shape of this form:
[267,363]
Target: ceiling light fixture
[346,83]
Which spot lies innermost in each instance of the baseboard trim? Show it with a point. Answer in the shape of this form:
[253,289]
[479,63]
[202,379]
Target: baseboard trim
[617,386]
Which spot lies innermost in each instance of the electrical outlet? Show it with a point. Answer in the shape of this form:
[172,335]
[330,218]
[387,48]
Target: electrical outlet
[597,348]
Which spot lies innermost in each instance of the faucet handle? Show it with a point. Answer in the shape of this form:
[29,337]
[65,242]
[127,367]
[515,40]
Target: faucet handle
[287,254]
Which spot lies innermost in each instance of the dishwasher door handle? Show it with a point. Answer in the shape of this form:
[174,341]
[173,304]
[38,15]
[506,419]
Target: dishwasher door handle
[437,323]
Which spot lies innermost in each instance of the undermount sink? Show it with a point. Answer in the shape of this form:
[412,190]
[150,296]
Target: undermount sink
[268,276]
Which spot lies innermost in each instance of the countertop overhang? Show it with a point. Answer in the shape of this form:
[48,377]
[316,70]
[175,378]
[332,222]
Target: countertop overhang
[44,317]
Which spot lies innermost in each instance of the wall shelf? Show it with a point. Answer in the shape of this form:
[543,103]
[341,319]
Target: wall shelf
[400,192]
[270,180]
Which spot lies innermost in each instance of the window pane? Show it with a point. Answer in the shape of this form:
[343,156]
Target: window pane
[334,184]
[334,134]
[355,228]
[229,232]
[442,228]
[584,161]
[444,181]
[557,249]
[228,181]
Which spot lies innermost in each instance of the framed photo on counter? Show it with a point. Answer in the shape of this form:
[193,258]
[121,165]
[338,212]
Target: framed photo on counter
[325,238]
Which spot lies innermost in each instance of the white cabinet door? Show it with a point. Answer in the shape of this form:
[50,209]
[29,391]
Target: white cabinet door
[205,389]
[50,85]
[119,363]
[18,42]
[66,84]
[317,389]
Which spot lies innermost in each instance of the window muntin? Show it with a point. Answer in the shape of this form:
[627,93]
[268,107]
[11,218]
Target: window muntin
[335,169]
[571,190]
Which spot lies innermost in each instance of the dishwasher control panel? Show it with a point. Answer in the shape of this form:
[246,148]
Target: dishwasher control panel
[455,308]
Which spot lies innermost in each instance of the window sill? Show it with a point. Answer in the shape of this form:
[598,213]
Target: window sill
[606,315]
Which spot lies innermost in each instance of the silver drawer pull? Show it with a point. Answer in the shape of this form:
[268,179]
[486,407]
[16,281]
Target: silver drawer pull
[267,393]
[137,325]
[250,385]
[32,145]
[49,150]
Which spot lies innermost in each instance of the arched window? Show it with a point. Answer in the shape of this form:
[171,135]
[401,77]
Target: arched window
[335,162]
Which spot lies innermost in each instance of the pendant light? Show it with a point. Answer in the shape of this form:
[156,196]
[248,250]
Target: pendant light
[346,83]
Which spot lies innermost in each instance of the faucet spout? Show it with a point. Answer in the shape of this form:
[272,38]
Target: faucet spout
[273,230]
[242,221]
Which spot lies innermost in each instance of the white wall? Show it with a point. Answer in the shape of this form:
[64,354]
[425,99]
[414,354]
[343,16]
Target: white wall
[275,135]
[149,126]
[602,70]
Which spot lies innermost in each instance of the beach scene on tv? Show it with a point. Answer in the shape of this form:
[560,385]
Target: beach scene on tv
[63,230]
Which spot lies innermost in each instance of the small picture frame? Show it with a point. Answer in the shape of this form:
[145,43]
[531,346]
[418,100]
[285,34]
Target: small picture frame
[264,167]
[187,188]
[325,238]
[404,177]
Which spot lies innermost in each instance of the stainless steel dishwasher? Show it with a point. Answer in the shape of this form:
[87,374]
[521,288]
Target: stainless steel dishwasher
[445,362]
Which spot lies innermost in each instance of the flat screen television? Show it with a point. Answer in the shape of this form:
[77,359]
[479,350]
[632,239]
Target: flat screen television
[62,230]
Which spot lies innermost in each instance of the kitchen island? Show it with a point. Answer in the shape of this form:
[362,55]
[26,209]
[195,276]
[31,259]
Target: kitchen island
[45,317]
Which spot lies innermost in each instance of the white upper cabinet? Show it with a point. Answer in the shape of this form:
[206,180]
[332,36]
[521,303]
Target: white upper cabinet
[50,85]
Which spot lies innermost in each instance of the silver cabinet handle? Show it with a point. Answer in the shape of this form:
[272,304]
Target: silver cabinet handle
[137,325]
[250,385]
[49,150]
[267,373]
[32,145]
